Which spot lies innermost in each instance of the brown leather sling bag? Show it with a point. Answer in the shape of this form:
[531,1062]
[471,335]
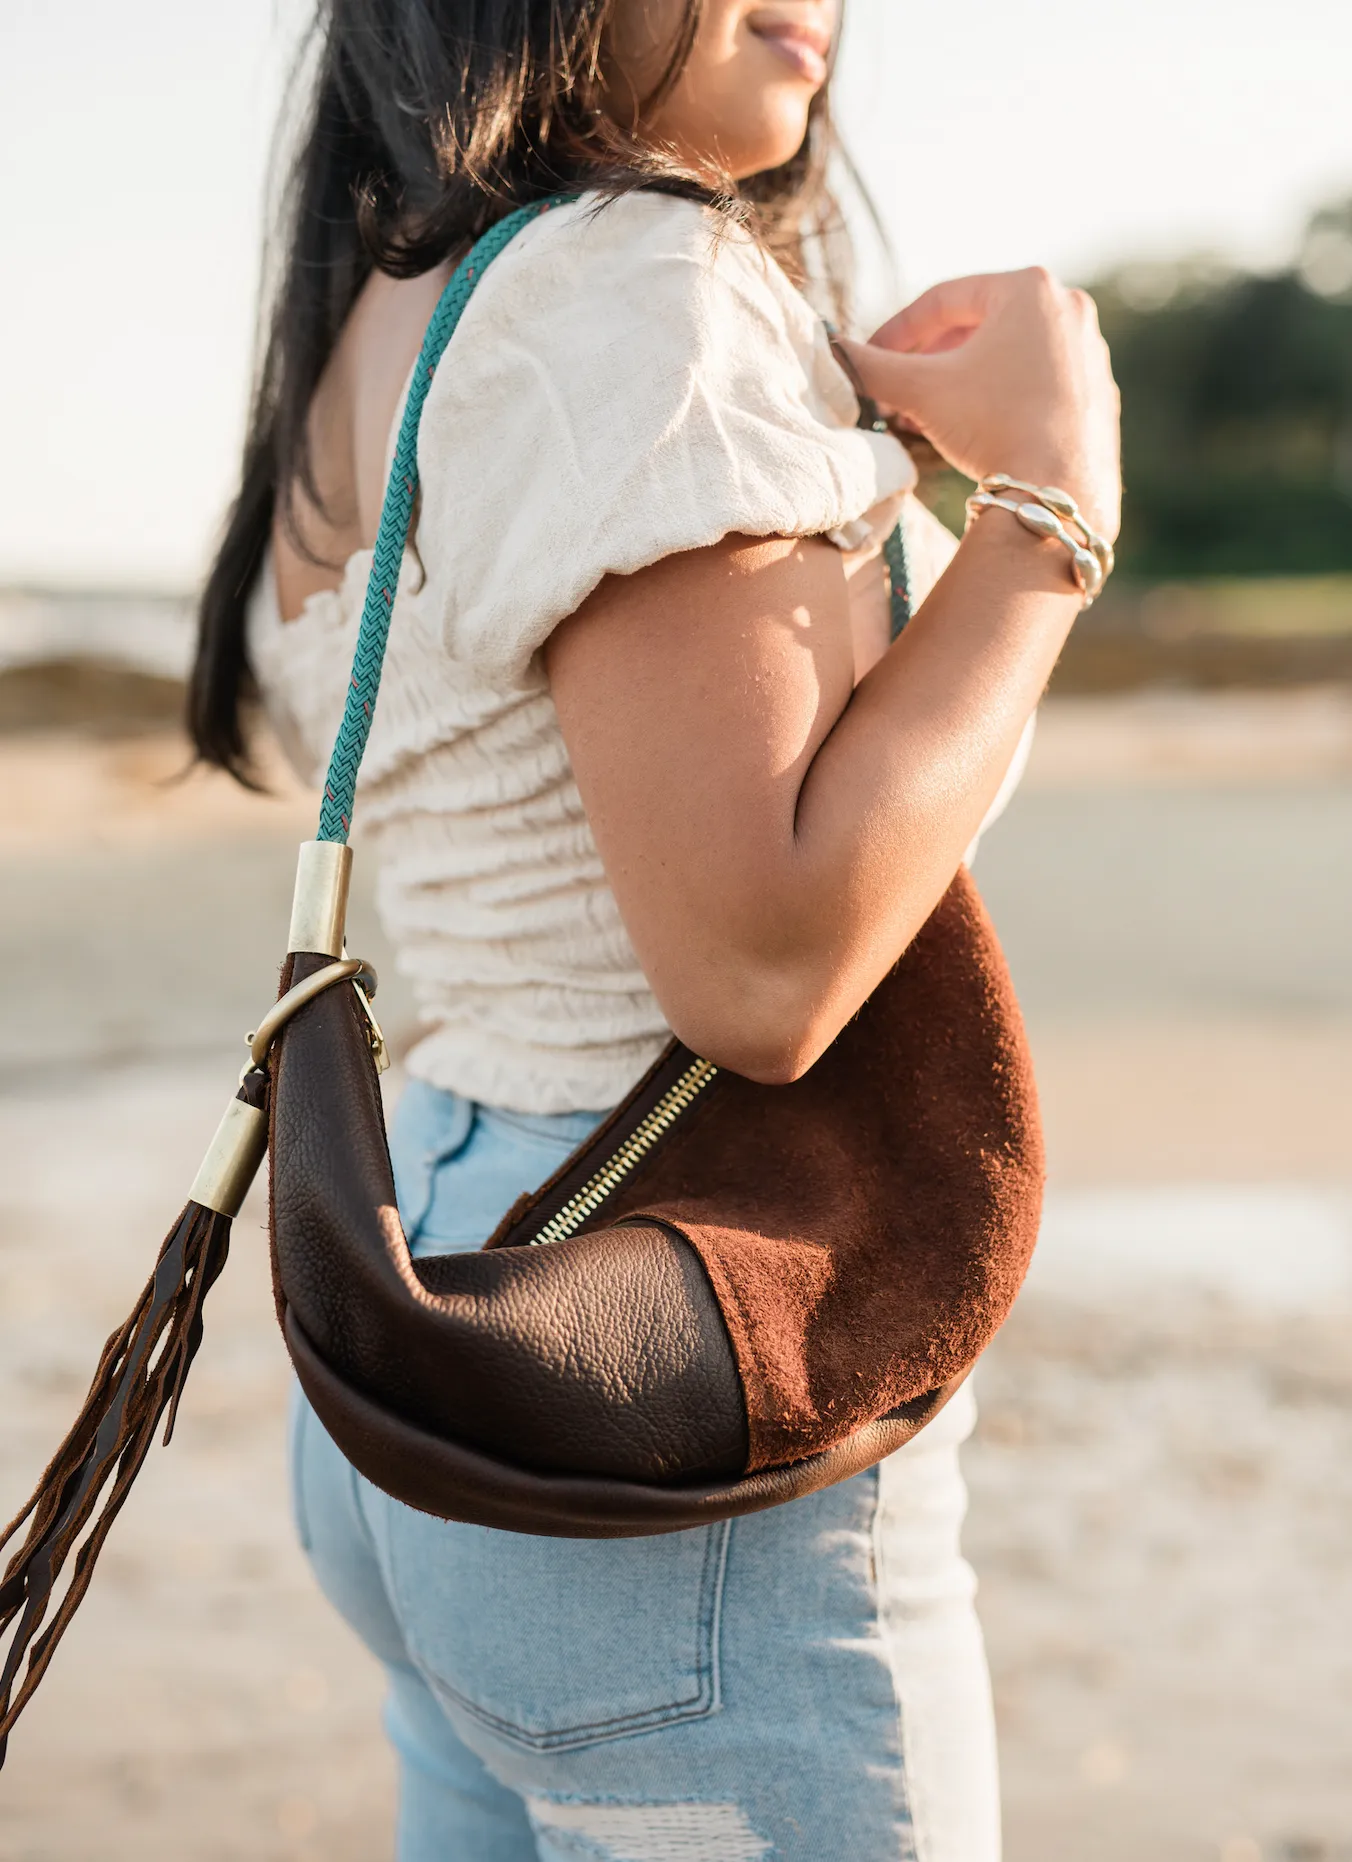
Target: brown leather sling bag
[728,1296]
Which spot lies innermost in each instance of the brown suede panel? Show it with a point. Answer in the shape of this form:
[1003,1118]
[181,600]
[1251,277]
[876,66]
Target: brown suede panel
[866,1228]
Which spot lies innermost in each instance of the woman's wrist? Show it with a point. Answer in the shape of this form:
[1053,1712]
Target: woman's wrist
[1017,565]
[1055,470]
[1049,513]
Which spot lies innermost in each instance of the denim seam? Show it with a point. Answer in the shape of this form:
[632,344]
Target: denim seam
[723,1536]
[431,1162]
[301,1512]
[706,1700]
[529,1126]
[911,1852]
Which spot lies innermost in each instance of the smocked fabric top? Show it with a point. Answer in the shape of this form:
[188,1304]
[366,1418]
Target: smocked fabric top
[627,381]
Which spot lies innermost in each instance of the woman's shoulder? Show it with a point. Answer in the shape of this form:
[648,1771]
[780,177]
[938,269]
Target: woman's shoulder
[653,281]
[596,242]
[638,321]
[631,378]
[633,220]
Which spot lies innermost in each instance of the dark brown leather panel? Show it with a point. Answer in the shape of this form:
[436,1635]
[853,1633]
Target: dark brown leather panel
[605,1354]
[451,1481]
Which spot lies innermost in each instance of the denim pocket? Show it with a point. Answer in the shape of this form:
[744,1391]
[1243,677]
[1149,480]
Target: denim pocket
[465,1190]
[554,1133]
[561,1643]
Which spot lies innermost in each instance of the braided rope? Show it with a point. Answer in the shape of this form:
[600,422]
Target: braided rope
[340,784]
[899,573]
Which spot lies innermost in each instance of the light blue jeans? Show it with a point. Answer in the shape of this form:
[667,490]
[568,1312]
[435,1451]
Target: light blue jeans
[806,1684]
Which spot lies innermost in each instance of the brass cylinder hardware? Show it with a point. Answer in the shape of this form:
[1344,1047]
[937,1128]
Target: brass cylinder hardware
[319,903]
[232,1159]
[241,1139]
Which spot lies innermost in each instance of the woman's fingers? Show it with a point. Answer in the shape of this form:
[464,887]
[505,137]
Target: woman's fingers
[1005,372]
[899,383]
[943,316]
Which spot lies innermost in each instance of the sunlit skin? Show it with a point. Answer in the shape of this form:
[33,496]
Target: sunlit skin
[778,796]
[740,105]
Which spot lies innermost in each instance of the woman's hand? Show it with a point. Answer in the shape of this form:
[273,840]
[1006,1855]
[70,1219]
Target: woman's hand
[1006,373]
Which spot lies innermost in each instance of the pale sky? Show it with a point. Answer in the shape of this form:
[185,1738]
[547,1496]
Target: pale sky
[133,140]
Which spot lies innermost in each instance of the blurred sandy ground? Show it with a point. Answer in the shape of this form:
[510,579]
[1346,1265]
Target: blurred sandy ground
[1162,1483]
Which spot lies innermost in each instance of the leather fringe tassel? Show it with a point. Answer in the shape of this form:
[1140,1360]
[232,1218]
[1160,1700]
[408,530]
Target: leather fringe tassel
[140,1375]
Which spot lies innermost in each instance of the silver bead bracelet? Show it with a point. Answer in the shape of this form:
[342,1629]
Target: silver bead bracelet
[1046,512]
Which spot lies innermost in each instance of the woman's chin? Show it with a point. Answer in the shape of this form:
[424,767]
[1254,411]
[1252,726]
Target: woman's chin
[779,137]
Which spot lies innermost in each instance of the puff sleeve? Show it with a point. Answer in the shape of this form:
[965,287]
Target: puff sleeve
[629,379]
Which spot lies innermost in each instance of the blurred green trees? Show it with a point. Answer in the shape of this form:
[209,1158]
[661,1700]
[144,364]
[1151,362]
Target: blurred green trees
[1236,411]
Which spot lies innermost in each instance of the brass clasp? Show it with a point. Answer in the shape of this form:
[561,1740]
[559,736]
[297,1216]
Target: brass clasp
[379,1052]
[347,969]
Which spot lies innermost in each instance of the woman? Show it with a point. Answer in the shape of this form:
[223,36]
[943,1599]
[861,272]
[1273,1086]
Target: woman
[645,760]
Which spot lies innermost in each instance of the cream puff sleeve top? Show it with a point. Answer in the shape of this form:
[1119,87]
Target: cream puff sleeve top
[628,380]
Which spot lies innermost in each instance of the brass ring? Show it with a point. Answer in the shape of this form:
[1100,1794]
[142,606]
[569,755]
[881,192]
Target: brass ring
[347,969]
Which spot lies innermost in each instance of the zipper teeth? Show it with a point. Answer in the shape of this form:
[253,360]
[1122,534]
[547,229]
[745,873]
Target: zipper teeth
[586,1201]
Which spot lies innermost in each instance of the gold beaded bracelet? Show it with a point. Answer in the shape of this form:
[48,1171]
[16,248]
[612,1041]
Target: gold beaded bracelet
[1046,514]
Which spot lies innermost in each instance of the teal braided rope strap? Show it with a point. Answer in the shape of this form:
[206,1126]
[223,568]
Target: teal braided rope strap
[899,574]
[340,784]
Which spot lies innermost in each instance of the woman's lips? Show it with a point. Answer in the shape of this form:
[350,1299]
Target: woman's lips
[801,43]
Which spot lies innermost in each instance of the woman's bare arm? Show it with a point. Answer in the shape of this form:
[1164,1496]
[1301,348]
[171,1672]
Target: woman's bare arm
[774,837]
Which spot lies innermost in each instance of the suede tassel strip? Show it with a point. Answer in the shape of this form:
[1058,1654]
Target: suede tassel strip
[140,1376]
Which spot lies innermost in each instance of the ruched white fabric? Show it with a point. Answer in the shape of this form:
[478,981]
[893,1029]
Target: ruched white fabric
[626,382]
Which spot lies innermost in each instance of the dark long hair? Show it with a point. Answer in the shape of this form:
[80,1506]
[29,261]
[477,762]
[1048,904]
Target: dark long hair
[430,120]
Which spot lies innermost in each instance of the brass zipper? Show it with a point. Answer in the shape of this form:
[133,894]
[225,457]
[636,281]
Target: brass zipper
[586,1201]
